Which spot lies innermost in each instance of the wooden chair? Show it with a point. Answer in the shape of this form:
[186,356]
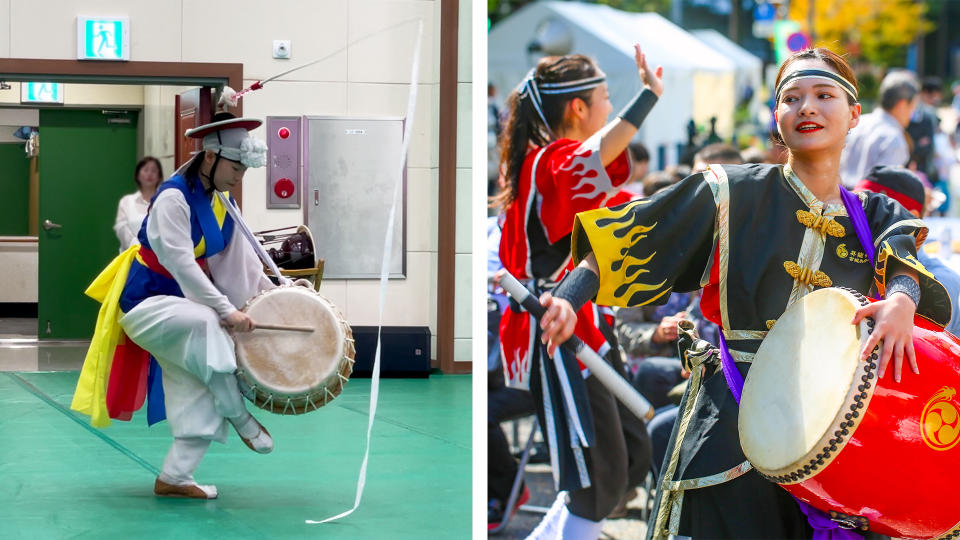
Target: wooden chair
[315,274]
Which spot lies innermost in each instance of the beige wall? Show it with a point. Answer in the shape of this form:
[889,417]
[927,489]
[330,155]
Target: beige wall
[17,259]
[366,78]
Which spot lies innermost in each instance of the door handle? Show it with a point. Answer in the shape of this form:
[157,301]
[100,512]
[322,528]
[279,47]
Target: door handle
[48,225]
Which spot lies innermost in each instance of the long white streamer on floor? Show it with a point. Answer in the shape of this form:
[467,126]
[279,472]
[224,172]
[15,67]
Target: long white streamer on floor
[384,273]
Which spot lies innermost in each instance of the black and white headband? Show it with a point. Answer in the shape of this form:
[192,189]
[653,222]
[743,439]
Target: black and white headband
[817,74]
[568,87]
[529,88]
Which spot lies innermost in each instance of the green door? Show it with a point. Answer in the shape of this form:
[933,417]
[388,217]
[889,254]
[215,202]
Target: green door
[85,165]
[14,190]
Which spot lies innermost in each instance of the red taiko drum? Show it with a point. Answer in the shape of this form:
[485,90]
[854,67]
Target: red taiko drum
[873,453]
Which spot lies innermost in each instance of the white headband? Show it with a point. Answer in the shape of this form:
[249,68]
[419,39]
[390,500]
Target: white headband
[528,88]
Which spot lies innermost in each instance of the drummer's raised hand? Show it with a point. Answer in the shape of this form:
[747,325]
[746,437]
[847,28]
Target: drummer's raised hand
[652,78]
[893,323]
[238,321]
[557,323]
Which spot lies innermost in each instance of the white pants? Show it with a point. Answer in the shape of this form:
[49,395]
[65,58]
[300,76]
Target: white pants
[197,357]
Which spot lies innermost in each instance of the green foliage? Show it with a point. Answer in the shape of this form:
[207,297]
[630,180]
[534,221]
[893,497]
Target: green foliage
[877,32]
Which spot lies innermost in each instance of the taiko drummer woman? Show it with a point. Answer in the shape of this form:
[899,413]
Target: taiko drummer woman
[757,238]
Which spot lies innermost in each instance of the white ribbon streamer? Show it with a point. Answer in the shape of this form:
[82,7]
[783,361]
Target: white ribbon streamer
[257,248]
[384,273]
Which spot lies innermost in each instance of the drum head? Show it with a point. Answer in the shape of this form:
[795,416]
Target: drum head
[286,362]
[800,379]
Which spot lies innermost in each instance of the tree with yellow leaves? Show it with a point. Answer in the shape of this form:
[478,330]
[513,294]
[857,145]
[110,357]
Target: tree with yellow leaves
[875,30]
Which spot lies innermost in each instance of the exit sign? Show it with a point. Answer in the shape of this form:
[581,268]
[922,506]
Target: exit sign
[41,92]
[103,38]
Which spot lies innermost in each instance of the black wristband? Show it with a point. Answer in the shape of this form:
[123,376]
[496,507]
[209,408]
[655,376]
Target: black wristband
[906,285]
[639,107]
[578,287]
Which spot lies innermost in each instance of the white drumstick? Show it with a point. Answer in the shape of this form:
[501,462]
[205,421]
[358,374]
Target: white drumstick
[613,381]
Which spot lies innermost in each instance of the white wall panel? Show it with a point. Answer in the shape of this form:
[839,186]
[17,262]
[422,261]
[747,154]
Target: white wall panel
[48,28]
[245,30]
[385,53]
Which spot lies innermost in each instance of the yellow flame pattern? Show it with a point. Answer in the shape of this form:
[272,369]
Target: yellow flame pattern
[614,235]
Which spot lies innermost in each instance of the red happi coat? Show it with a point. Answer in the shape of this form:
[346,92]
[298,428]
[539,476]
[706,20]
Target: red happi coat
[535,240]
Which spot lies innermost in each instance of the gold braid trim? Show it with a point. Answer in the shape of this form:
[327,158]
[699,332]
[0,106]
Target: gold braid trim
[804,275]
[770,323]
[822,224]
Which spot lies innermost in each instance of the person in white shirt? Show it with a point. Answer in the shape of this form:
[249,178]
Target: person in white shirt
[133,207]
[879,139]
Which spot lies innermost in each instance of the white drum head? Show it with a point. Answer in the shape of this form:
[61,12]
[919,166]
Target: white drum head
[287,362]
[799,381]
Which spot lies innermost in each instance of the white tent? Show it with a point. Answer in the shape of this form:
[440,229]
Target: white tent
[698,81]
[749,67]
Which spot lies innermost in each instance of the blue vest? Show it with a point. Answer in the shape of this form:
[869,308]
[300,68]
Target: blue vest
[211,232]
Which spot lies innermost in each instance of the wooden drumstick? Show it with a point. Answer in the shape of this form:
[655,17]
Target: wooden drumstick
[286,327]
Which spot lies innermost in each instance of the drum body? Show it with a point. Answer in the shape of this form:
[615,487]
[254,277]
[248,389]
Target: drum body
[871,452]
[289,372]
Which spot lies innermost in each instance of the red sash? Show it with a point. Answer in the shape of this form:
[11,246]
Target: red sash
[149,259]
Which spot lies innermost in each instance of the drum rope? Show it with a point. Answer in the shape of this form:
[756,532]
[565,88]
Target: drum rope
[384,275]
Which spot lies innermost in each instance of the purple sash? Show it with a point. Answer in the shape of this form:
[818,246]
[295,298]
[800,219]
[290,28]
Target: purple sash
[824,528]
[730,371]
[859,219]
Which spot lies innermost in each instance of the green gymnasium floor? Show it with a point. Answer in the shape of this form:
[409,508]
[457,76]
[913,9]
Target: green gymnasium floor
[60,478]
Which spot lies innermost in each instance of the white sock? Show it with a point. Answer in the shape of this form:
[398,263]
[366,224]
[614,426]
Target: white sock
[249,429]
[573,527]
[183,459]
[246,425]
[549,527]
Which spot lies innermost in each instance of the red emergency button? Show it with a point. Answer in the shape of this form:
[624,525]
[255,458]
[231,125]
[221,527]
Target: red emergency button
[283,188]
[283,133]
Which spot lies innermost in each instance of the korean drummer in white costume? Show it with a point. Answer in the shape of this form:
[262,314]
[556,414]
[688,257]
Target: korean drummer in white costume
[181,298]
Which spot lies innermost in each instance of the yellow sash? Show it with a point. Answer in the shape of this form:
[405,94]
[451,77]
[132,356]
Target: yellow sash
[90,397]
[220,212]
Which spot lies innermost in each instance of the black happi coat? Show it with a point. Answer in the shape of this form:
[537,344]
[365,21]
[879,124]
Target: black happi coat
[756,240]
